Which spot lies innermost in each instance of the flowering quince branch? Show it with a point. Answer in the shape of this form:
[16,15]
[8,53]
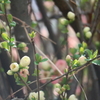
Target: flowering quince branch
[24,82]
[25,24]
[72,70]
[48,59]
[32,35]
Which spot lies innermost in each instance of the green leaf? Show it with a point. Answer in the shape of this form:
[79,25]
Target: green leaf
[95,54]
[2,7]
[7,1]
[89,52]
[13,24]
[35,72]
[5,45]
[33,24]
[73,50]
[76,56]
[10,18]
[12,39]
[36,63]
[11,43]
[5,36]
[43,60]
[96,62]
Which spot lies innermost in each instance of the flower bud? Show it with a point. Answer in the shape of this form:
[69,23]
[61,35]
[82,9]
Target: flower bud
[84,44]
[81,50]
[57,90]
[78,34]
[57,85]
[14,67]
[71,15]
[21,45]
[72,97]
[86,29]
[68,58]
[63,21]
[9,72]
[45,65]
[88,34]
[25,61]
[82,60]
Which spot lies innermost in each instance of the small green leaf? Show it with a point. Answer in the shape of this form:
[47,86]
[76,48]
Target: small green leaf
[5,36]
[10,18]
[35,72]
[89,52]
[11,43]
[12,39]
[96,62]
[76,56]
[34,24]
[95,54]
[43,60]
[36,63]
[73,50]
[13,24]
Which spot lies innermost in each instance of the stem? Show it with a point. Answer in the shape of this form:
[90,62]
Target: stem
[9,29]
[38,84]
[24,82]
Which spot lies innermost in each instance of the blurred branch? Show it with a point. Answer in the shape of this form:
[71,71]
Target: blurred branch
[95,20]
[48,25]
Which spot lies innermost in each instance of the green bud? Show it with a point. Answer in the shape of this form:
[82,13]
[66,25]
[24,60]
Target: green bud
[71,15]
[86,29]
[63,21]
[81,50]
[78,34]
[57,85]
[63,89]
[21,45]
[84,44]
[88,34]
[9,72]
[32,34]
[82,60]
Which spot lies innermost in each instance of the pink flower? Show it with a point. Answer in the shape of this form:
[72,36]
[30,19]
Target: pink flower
[24,72]
[61,64]
[44,74]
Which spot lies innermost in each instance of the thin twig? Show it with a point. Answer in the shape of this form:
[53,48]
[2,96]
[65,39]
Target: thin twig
[48,59]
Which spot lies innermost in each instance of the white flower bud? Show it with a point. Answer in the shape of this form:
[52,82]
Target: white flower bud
[9,72]
[57,90]
[14,67]
[34,95]
[72,97]
[71,15]
[68,58]
[88,34]
[86,29]
[25,61]
[82,60]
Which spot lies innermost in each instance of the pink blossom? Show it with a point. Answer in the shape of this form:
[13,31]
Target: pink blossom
[24,72]
[61,64]
[44,74]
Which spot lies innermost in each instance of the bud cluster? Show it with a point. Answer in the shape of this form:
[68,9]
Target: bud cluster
[22,68]
[34,96]
[87,32]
